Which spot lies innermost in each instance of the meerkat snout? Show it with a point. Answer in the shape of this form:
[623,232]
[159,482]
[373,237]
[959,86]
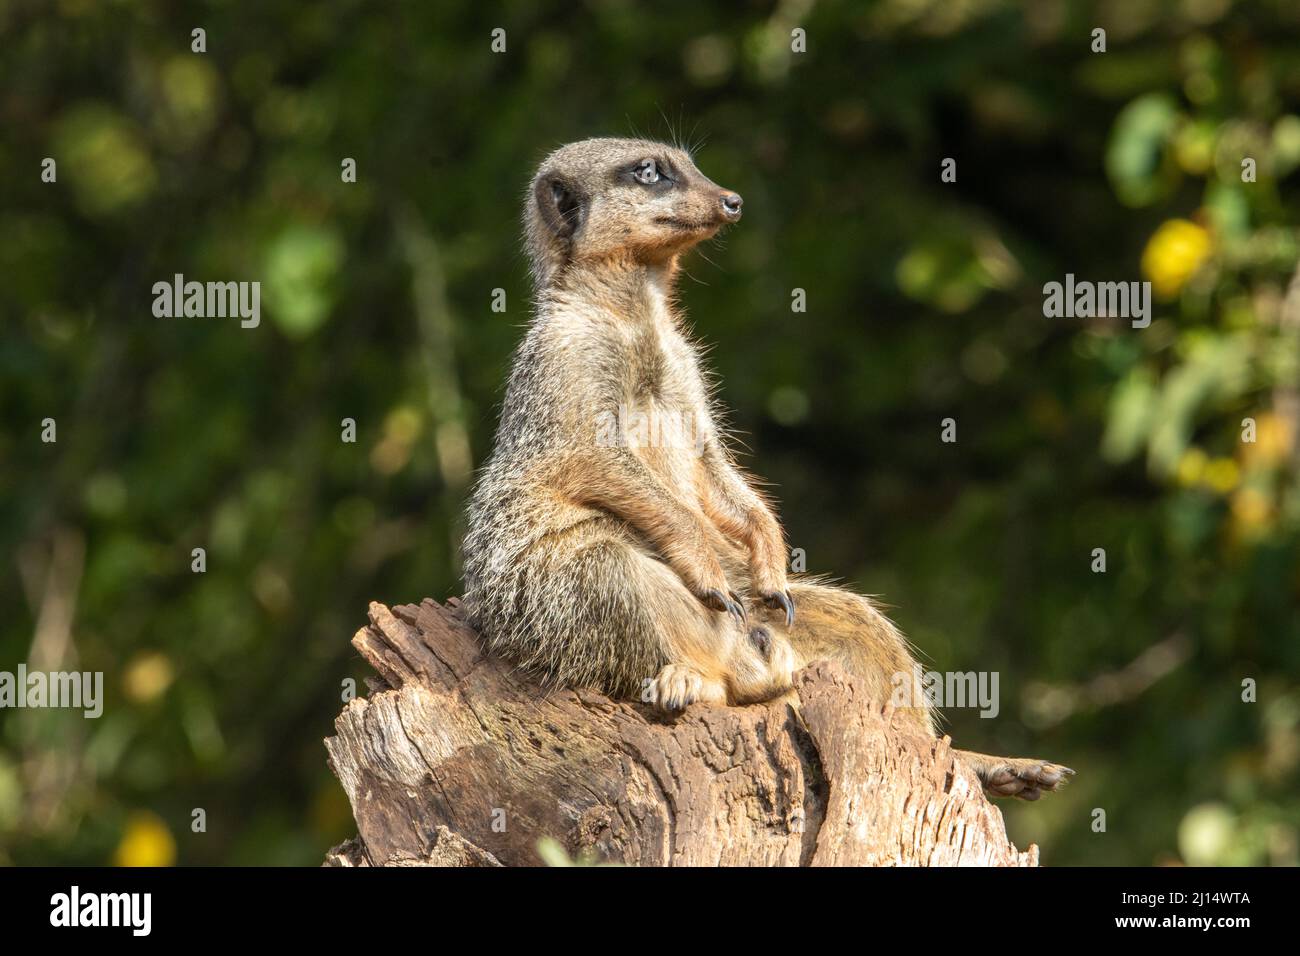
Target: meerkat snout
[731,203]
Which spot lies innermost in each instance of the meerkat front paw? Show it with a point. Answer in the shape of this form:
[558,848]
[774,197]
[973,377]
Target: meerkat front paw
[680,684]
[779,600]
[729,602]
[767,568]
[706,580]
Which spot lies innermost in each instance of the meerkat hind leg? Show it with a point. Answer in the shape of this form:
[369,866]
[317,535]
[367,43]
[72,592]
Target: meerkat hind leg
[621,594]
[713,658]
[1024,777]
[678,685]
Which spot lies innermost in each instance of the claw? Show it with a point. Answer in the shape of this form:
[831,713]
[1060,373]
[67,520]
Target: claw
[782,601]
[725,602]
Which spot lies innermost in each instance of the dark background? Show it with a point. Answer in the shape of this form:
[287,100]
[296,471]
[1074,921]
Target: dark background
[924,302]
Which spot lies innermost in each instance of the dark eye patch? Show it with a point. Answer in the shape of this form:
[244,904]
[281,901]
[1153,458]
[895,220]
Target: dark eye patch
[667,170]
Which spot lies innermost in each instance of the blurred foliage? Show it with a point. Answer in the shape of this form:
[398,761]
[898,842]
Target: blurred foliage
[924,301]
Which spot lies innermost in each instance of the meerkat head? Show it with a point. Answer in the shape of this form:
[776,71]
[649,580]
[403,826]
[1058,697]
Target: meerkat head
[620,198]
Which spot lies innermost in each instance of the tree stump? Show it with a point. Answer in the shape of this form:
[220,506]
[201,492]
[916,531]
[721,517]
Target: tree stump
[456,759]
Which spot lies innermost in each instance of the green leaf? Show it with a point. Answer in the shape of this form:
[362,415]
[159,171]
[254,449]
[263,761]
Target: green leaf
[1137,158]
[300,267]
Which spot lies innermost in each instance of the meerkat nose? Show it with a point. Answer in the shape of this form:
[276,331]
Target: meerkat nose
[731,203]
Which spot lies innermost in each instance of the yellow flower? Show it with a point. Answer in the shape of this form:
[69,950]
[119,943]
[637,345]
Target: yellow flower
[147,676]
[1191,467]
[1272,444]
[1173,254]
[1252,512]
[1221,474]
[146,842]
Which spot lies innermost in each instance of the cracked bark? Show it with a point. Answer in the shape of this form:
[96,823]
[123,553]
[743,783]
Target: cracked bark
[457,760]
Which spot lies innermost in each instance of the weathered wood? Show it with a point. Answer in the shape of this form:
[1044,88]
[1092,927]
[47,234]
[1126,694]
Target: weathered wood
[457,760]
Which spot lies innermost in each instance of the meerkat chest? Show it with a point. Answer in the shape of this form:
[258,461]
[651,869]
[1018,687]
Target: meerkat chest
[665,416]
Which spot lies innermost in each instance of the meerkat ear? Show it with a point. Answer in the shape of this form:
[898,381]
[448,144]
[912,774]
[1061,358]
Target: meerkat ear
[563,207]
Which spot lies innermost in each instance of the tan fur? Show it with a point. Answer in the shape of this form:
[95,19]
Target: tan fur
[645,562]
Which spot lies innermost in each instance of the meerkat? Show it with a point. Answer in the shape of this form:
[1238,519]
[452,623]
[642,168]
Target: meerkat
[613,542]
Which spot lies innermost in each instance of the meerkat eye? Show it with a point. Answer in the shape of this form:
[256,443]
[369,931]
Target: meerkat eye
[646,172]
